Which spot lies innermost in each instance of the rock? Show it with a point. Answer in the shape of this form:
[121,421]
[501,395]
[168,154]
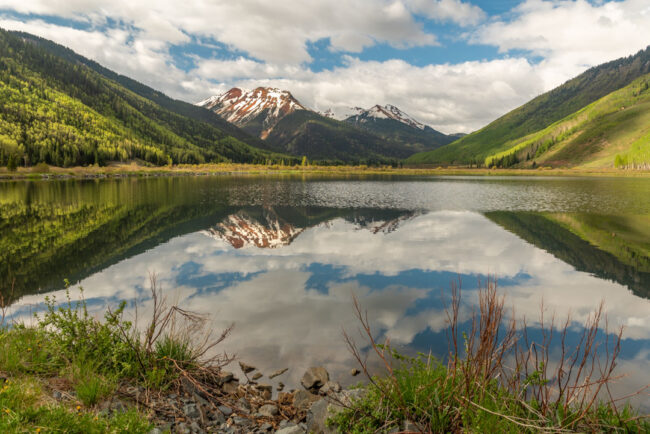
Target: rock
[246,368]
[257,376]
[230,387]
[314,378]
[225,377]
[294,429]
[244,405]
[303,399]
[57,394]
[266,427]
[155,431]
[266,390]
[191,411]
[330,387]
[226,411]
[195,428]
[354,372]
[241,421]
[280,386]
[318,414]
[218,417]
[268,410]
[278,373]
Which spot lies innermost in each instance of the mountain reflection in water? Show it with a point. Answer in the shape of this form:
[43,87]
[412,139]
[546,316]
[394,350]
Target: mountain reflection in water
[282,259]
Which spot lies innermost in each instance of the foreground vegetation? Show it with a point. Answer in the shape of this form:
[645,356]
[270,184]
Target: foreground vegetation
[496,379]
[86,361]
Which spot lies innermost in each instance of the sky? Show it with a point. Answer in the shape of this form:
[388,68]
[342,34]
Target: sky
[455,65]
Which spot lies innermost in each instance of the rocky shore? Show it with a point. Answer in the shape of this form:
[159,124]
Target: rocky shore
[240,405]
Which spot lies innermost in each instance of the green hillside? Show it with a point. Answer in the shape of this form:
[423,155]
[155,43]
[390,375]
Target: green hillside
[540,112]
[179,107]
[319,138]
[610,247]
[613,131]
[63,113]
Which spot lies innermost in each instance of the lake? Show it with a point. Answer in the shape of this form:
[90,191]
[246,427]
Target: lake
[282,256]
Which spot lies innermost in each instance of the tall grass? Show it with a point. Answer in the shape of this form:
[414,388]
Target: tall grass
[495,379]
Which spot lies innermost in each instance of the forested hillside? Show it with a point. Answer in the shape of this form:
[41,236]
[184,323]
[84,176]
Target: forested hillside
[307,133]
[63,113]
[542,111]
[611,132]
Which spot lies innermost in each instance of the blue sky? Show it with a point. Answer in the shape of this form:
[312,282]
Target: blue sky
[453,64]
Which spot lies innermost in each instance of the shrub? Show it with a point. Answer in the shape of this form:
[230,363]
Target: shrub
[41,168]
[495,380]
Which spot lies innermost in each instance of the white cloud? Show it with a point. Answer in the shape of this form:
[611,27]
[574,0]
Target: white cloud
[462,13]
[571,36]
[451,98]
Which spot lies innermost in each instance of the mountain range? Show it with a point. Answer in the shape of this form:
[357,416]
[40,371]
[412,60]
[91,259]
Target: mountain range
[288,126]
[63,109]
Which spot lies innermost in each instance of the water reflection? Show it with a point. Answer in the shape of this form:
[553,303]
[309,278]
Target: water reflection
[290,303]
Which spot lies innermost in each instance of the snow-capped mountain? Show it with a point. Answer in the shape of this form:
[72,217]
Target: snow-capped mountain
[385,112]
[343,113]
[259,109]
[267,230]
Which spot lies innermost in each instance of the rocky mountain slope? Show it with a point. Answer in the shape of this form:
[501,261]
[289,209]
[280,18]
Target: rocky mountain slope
[256,111]
[285,125]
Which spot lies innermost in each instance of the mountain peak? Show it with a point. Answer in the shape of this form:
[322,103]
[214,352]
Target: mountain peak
[390,111]
[240,106]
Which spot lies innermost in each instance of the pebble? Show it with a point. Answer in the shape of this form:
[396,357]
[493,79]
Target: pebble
[226,411]
[246,368]
[268,410]
[354,372]
[278,373]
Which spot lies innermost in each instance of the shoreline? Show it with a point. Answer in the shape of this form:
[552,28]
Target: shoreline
[136,171]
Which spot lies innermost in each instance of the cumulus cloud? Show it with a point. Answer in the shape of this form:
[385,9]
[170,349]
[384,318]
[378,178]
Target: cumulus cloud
[570,35]
[271,43]
[462,13]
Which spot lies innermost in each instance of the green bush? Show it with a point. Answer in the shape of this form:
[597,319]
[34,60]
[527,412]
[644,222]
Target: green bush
[41,168]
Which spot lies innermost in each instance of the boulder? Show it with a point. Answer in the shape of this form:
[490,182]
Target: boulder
[303,399]
[314,378]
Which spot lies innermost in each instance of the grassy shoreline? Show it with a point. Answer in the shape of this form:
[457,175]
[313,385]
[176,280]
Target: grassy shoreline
[136,170]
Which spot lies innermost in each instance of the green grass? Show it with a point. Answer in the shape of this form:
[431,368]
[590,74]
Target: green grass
[423,391]
[25,408]
[88,359]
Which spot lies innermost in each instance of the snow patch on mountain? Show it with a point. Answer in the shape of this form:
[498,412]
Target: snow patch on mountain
[240,106]
[387,111]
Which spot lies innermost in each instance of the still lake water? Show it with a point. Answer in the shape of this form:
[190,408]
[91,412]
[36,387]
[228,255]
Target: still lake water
[280,257]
